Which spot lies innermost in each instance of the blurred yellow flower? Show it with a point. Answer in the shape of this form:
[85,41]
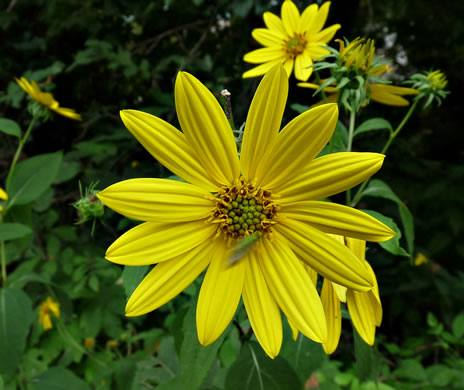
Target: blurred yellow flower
[48,307]
[420,259]
[112,343]
[46,99]
[89,342]
[294,40]
[437,79]
[269,195]
[3,196]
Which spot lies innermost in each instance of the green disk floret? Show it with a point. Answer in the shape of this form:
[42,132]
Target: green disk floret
[243,209]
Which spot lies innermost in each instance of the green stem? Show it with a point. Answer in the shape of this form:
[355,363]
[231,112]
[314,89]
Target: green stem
[349,146]
[22,142]
[393,135]
[318,81]
[2,254]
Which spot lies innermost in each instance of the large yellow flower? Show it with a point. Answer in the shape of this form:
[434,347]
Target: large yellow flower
[46,308]
[272,189]
[3,196]
[295,40]
[46,99]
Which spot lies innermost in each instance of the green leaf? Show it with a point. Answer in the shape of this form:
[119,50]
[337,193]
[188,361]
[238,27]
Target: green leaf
[124,373]
[392,245]
[253,370]
[10,127]
[372,124]
[408,227]
[58,378]
[13,230]
[195,360]
[132,276]
[379,189]
[299,108]
[458,326]
[411,369]
[33,177]
[367,361]
[15,320]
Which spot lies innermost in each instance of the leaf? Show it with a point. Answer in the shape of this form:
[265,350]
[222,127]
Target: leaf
[13,230]
[15,319]
[411,369]
[195,359]
[299,108]
[10,127]
[132,276]
[458,326]
[124,373]
[372,124]
[58,378]
[408,227]
[379,189]
[32,177]
[367,361]
[392,245]
[253,370]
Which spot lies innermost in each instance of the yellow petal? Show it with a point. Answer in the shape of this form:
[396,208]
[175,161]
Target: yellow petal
[296,145]
[67,112]
[261,69]
[261,307]
[303,66]
[316,50]
[340,291]
[327,34]
[329,175]
[263,120]
[390,94]
[265,54]
[292,288]
[394,89]
[357,246]
[206,129]
[290,17]
[362,314]
[169,146]
[274,23]
[267,37]
[294,330]
[288,65]
[158,200]
[333,315]
[316,86]
[168,279]
[307,18]
[320,18]
[312,274]
[325,255]
[152,242]
[219,296]
[3,194]
[338,219]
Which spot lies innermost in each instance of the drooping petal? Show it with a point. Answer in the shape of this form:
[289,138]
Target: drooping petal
[206,129]
[264,119]
[312,274]
[290,17]
[152,242]
[333,315]
[320,18]
[261,69]
[158,200]
[338,219]
[390,94]
[265,54]
[261,307]
[329,175]
[292,288]
[169,146]
[327,34]
[300,141]
[219,296]
[268,37]
[325,255]
[307,18]
[168,279]
[362,314]
[67,112]
[316,86]
[303,66]
[274,23]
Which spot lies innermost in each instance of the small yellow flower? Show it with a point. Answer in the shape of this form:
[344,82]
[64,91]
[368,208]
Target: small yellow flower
[48,307]
[135,164]
[46,99]
[112,343]
[89,342]
[420,259]
[437,79]
[3,196]
[270,192]
[294,40]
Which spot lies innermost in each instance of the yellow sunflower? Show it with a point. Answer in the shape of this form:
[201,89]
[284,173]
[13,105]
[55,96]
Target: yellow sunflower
[46,99]
[294,40]
[48,307]
[3,196]
[269,192]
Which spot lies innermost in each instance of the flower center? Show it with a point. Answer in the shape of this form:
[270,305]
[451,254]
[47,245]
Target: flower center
[243,209]
[296,45]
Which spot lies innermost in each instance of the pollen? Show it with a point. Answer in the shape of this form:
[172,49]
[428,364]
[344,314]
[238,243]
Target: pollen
[243,209]
[295,45]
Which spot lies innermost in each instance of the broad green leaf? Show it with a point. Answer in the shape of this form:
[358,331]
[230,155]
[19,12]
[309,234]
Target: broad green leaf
[67,171]
[10,127]
[124,373]
[379,189]
[132,276]
[32,177]
[15,320]
[253,370]
[392,245]
[367,360]
[411,369]
[195,360]
[13,230]
[458,326]
[372,124]
[58,378]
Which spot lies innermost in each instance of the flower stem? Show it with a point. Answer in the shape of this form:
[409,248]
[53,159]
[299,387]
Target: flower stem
[3,257]
[393,135]
[22,142]
[349,146]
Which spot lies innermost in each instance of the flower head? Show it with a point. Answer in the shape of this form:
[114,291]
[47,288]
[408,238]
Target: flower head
[294,40]
[48,307]
[356,77]
[431,85]
[270,193]
[420,259]
[3,196]
[46,99]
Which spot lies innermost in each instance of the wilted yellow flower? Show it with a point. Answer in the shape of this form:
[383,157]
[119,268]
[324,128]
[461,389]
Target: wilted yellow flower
[268,195]
[48,307]
[420,259]
[3,196]
[89,342]
[294,40]
[46,99]
[112,343]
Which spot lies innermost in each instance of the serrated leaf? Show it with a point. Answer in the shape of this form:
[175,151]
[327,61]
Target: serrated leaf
[132,276]
[15,320]
[10,127]
[58,378]
[13,230]
[373,124]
